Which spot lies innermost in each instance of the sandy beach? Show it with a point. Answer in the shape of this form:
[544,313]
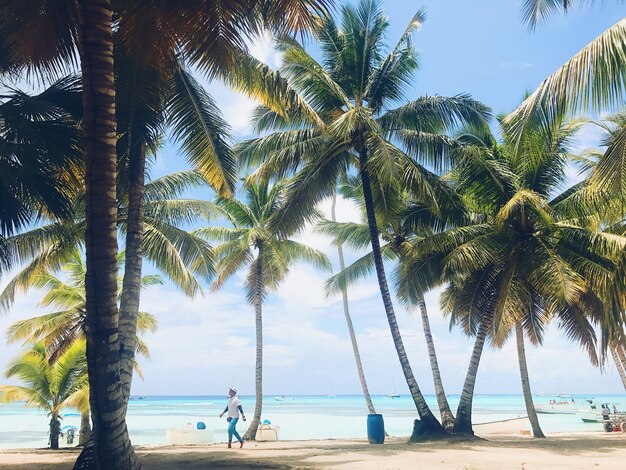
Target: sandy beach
[502,448]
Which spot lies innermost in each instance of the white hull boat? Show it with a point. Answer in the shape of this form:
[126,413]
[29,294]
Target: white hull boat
[558,408]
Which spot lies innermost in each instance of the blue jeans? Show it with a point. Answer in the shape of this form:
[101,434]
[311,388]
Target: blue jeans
[232,431]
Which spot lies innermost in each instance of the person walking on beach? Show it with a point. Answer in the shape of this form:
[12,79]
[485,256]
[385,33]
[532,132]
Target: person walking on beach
[233,409]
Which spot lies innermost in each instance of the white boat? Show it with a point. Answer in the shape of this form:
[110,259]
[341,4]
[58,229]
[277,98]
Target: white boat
[393,395]
[562,406]
[189,434]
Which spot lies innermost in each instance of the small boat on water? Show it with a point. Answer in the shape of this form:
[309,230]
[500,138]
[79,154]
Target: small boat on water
[283,398]
[190,434]
[393,395]
[563,405]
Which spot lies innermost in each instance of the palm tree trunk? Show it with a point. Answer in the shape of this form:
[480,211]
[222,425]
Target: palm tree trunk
[427,426]
[620,362]
[346,312]
[55,430]
[463,421]
[528,397]
[131,285]
[84,434]
[447,418]
[111,445]
[250,434]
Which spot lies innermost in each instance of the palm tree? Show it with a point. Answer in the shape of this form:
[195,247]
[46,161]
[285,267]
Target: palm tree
[252,242]
[50,386]
[342,120]
[401,220]
[522,262]
[59,330]
[60,29]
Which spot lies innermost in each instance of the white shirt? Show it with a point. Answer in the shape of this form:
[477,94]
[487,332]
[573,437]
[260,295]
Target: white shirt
[233,407]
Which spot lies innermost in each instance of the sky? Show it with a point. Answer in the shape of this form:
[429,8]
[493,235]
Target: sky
[206,344]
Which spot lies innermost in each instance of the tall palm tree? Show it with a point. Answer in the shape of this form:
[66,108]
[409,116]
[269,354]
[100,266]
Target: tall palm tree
[342,120]
[59,30]
[253,242]
[522,261]
[401,220]
[48,385]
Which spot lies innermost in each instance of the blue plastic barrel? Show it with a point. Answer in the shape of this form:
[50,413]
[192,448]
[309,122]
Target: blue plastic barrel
[200,425]
[375,429]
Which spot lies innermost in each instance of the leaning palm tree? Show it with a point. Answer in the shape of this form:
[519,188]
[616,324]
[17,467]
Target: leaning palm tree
[522,262]
[252,242]
[401,220]
[66,30]
[348,317]
[48,385]
[343,119]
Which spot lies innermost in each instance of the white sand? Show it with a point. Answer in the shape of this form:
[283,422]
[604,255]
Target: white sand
[504,449]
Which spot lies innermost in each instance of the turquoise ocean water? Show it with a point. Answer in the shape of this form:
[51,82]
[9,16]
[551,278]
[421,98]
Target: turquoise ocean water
[299,417]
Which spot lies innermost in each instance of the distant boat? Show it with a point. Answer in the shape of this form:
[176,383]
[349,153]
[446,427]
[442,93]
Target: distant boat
[393,393]
[283,398]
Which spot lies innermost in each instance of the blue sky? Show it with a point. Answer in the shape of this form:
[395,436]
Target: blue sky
[206,344]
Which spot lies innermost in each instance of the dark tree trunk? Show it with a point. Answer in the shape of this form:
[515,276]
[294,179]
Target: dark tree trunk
[84,434]
[131,285]
[111,447]
[346,312]
[55,431]
[528,396]
[428,426]
[463,421]
[620,361]
[250,434]
[447,418]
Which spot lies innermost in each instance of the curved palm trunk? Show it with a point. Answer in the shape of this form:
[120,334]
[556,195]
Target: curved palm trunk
[528,397]
[111,446]
[346,312]
[620,362]
[447,418]
[427,426]
[55,431]
[84,434]
[258,305]
[131,285]
[463,421]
